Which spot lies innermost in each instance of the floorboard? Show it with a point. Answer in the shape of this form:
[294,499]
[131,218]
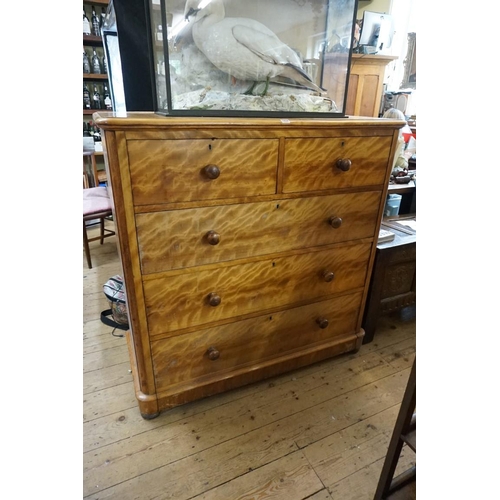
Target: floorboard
[318,433]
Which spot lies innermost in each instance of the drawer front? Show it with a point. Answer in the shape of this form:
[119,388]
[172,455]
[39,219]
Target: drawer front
[211,351]
[174,170]
[204,296]
[311,164]
[186,238]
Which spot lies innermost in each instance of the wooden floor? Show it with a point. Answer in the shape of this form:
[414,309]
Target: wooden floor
[319,433]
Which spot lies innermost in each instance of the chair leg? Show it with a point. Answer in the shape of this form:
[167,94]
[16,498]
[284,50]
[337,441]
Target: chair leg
[86,245]
[102,230]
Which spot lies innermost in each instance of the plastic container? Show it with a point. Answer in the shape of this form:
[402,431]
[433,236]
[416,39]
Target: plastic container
[392,205]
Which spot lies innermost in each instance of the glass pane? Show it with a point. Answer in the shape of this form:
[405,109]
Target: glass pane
[252,57]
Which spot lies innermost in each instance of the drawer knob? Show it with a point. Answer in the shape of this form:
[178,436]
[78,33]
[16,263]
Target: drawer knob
[328,276]
[212,171]
[322,322]
[213,238]
[335,222]
[213,353]
[344,164]
[214,299]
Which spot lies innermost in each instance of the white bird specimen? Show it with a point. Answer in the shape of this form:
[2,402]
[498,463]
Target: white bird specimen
[242,47]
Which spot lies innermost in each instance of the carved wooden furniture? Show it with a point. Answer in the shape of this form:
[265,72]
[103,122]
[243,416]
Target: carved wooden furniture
[366,81]
[393,282]
[246,244]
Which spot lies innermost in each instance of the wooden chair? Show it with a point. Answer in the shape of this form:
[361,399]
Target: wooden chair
[96,206]
[89,164]
[404,432]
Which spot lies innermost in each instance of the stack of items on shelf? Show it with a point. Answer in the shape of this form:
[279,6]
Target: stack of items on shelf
[91,137]
[96,94]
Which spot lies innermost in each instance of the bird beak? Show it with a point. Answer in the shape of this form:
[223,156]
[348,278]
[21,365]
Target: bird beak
[191,12]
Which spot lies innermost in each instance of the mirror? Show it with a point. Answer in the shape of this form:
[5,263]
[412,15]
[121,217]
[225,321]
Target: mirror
[410,64]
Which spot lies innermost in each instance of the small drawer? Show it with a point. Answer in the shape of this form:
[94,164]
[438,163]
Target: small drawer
[185,238]
[204,296]
[168,171]
[211,351]
[331,163]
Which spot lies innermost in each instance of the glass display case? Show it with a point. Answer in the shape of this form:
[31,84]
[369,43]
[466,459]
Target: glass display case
[127,47]
[252,58]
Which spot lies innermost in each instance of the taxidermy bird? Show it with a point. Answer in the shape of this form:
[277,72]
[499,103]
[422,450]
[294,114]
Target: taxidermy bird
[242,47]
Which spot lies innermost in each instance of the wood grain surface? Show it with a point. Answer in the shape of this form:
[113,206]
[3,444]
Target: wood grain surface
[338,413]
[178,239]
[225,223]
[310,164]
[178,301]
[171,171]
[184,358]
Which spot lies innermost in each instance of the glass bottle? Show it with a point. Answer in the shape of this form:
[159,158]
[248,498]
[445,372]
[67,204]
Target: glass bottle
[96,64]
[86,62]
[86,23]
[107,99]
[95,23]
[86,132]
[96,100]
[104,65]
[97,134]
[159,33]
[86,97]
[101,20]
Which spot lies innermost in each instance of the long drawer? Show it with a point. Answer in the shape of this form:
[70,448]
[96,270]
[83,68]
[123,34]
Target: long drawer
[185,358]
[168,171]
[203,296]
[312,164]
[185,238]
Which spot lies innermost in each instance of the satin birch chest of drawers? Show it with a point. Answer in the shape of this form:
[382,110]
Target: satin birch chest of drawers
[246,243]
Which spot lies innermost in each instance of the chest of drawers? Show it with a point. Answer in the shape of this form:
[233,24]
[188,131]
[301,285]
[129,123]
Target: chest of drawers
[246,244]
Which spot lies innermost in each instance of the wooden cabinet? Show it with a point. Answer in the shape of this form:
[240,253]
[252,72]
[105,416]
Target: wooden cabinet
[246,244]
[366,81]
[394,278]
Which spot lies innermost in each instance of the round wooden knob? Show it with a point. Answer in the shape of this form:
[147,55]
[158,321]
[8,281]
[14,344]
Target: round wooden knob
[213,353]
[214,299]
[212,171]
[322,322]
[213,238]
[344,164]
[335,222]
[328,276]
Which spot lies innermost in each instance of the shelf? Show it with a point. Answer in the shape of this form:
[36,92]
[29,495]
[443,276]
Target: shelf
[92,40]
[92,111]
[402,188]
[94,76]
[96,2]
